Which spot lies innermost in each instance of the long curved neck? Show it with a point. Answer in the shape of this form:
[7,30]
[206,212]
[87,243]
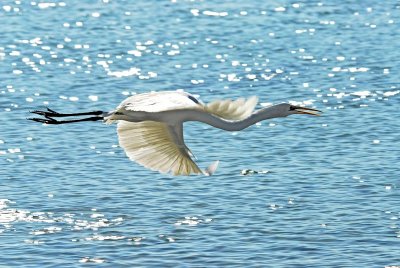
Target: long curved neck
[215,121]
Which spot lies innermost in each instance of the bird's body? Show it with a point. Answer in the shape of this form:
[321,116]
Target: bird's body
[168,107]
[150,125]
[150,128]
[153,105]
[160,101]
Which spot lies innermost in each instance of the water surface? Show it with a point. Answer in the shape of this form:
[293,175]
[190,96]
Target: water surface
[69,196]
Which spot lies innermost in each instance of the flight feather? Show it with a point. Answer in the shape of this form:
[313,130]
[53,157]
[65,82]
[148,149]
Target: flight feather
[156,146]
[232,109]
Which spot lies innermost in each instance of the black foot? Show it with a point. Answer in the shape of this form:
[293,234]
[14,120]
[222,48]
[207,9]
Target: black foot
[47,113]
[48,120]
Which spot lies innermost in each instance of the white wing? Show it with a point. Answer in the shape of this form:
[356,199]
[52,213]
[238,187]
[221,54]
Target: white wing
[157,146]
[153,102]
[232,110]
[160,101]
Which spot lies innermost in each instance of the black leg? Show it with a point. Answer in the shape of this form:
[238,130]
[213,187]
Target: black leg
[52,121]
[52,113]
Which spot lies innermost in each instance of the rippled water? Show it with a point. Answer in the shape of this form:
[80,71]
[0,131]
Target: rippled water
[326,190]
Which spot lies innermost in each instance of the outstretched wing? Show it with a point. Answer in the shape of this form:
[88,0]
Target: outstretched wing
[232,110]
[160,101]
[157,146]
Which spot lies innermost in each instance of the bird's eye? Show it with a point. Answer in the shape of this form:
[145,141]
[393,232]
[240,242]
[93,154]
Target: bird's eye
[292,108]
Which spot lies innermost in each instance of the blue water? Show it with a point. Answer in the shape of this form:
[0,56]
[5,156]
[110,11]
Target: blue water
[328,191]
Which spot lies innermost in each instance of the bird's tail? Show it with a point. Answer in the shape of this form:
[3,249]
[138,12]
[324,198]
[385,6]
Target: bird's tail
[110,118]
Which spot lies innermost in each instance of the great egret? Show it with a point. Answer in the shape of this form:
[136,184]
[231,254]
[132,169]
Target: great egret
[150,125]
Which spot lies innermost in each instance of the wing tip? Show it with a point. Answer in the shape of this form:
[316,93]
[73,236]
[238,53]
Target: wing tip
[210,170]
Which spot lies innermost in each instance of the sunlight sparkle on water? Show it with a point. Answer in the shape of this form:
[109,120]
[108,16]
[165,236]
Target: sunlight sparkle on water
[92,260]
[93,98]
[210,13]
[92,205]
[280,9]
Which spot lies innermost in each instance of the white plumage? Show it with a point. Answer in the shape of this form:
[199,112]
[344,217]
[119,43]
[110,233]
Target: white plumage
[160,146]
[150,125]
[232,110]
[159,102]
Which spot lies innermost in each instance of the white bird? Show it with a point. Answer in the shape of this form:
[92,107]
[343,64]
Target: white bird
[150,125]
